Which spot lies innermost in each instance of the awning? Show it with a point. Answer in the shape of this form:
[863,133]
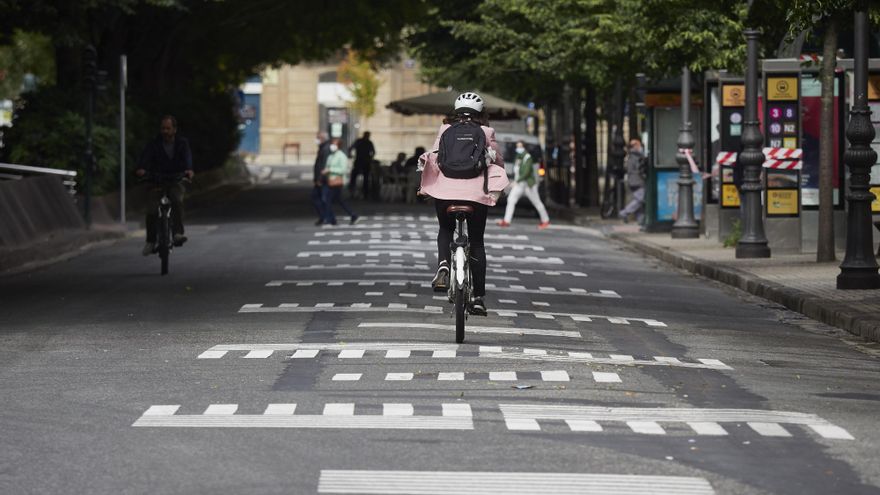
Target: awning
[442,103]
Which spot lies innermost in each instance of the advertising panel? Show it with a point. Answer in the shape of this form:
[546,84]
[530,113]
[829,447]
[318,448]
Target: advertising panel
[811,121]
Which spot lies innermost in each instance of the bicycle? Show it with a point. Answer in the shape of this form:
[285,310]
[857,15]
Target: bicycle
[460,280]
[165,223]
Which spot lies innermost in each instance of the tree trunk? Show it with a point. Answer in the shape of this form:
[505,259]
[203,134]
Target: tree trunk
[591,155]
[825,251]
[579,175]
[633,115]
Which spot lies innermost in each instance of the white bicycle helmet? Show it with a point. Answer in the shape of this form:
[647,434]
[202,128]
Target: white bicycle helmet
[469,100]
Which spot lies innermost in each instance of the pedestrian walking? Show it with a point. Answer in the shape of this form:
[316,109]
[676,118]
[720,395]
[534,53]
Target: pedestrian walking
[318,177]
[525,182]
[635,180]
[337,166]
[363,156]
[480,192]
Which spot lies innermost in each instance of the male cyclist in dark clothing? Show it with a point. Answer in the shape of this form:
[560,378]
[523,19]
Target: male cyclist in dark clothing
[166,156]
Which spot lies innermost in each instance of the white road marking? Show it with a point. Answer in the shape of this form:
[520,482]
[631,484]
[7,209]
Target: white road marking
[351,353]
[355,308]
[506,483]
[707,428]
[397,410]
[280,409]
[450,376]
[304,353]
[220,409]
[475,329]
[646,427]
[765,423]
[497,376]
[361,266]
[341,416]
[397,354]
[258,354]
[541,303]
[507,301]
[583,425]
[577,317]
[613,359]
[399,377]
[346,377]
[532,272]
[555,376]
[334,254]
[606,377]
[373,294]
[339,409]
[412,244]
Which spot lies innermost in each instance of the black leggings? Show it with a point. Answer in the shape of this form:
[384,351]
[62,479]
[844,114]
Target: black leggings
[476,226]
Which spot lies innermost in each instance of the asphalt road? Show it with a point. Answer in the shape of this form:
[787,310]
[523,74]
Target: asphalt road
[278,357]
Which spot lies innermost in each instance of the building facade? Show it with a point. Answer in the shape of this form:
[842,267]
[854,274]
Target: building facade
[295,102]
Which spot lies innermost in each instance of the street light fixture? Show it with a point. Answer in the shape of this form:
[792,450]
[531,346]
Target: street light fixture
[685,226]
[859,267]
[753,242]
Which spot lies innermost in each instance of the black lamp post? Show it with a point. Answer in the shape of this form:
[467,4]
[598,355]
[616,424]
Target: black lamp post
[685,226]
[617,151]
[753,242]
[90,60]
[859,267]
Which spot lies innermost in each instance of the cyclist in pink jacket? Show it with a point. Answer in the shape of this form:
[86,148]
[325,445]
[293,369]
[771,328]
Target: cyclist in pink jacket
[477,192]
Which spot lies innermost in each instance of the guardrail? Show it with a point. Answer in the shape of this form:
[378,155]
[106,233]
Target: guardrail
[68,177]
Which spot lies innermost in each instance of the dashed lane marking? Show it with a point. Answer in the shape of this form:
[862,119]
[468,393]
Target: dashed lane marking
[352,308]
[552,273]
[359,350]
[416,243]
[348,254]
[430,275]
[506,483]
[476,329]
[547,315]
[519,289]
[647,420]
[350,266]
[399,234]
[337,416]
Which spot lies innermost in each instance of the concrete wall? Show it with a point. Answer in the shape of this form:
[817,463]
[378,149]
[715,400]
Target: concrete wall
[33,208]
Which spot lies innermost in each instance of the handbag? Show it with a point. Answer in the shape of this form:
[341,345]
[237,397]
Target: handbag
[334,181]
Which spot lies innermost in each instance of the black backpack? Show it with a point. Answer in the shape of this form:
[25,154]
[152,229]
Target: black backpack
[462,153]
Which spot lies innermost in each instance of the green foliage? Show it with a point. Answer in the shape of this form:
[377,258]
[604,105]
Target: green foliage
[27,53]
[362,81]
[735,234]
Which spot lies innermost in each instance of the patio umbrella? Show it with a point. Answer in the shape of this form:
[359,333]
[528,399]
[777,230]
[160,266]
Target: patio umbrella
[442,103]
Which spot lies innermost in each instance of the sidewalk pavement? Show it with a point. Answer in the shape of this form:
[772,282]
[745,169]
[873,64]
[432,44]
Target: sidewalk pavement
[795,281]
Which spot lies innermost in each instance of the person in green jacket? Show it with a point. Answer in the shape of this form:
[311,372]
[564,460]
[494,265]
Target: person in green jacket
[337,167]
[526,183]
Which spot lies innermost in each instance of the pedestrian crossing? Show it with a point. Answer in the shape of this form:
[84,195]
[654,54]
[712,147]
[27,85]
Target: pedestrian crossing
[516,417]
[330,307]
[492,376]
[413,235]
[395,416]
[506,483]
[427,244]
[526,417]
[514,288]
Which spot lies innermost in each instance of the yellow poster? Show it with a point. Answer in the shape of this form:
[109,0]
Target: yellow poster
[782,88]
[874,87]
[782,201]
[875,205]
[729,196]
[733,95]
[790,143]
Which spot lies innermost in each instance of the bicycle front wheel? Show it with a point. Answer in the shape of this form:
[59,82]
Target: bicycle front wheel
[460,314]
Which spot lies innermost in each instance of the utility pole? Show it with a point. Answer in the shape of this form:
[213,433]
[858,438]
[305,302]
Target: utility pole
[90,60]
[617,151]
[859,267]
[123,82]
[685,226]
[753,242]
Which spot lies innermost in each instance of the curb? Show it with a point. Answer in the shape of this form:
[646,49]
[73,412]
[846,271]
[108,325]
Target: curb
[59,246]
[861,323]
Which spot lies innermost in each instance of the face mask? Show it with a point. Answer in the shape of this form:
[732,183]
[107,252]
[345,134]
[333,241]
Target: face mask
[520,151]
[333,147]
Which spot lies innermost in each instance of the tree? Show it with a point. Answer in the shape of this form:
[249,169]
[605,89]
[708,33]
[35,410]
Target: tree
[363,82]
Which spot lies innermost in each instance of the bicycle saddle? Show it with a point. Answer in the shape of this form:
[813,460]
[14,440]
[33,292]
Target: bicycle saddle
[452,210]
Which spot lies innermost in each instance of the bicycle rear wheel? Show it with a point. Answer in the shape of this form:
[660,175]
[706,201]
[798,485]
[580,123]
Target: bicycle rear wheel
[460,315]
[164,244]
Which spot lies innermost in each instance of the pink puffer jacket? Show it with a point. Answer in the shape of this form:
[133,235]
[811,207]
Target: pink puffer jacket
[438,186]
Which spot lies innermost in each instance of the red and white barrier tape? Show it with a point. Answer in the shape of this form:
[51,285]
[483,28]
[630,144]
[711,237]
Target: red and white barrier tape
[726,158]
[784,164]
[783,153]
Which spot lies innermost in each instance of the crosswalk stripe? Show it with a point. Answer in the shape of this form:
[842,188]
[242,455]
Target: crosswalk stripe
[578,317]
[349,266]
[347,377]
[583,425]
[402,377]
[397,410]
[450,376]
[502,376]
[351,353]
[646,427]
[606,377]
[475,329]
[335,415]
[305,353]
[542,375]
[505,483]
[397,354]
[423,282]
[280,409]
[354,308]
[551,273]
[765,423]
[258,354]
[555,376]
[351,253]
[416,244]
